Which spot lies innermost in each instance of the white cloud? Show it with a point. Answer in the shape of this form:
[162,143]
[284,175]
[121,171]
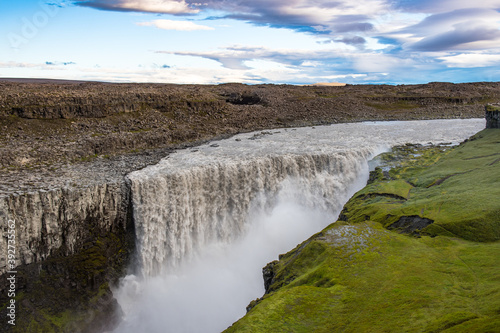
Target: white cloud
[175,25]
[379,62]
[45,66]
[471,60]
[149,6]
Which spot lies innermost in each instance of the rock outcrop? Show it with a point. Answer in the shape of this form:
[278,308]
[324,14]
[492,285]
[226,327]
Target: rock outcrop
[71,245]
[493,116]
[61,220]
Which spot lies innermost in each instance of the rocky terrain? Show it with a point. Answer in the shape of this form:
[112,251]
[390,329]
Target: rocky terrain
[65,148]
[47,126]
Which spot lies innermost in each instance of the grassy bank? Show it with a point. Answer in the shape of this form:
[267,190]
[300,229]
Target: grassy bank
[437,270]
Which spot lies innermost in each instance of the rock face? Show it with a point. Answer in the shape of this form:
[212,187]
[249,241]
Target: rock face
[71,244]
[493,116]
[61,219]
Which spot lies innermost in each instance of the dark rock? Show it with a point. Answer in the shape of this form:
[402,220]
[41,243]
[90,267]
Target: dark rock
[411,224]
[253,303]
[268,274]
[492,116]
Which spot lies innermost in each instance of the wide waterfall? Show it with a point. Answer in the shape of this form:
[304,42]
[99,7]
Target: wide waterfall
[209,218]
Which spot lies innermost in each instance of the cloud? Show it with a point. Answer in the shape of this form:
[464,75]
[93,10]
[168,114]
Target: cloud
[313,16]
[48,65]
[149,6]
[462,37]
[433,6]
[175,25]
[472,60]
[378,63]
[354,40]
[411,39]
[446,21]
[235,57]
[474,28]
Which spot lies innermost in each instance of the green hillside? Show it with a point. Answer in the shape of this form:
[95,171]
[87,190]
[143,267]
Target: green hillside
[436,270]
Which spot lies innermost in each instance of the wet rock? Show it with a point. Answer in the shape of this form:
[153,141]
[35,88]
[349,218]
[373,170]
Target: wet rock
[492,115]
[411,224]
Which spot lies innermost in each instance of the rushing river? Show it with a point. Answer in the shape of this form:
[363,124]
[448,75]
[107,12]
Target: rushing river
[210,217]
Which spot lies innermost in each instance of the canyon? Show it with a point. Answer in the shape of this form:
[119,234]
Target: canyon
[69,152]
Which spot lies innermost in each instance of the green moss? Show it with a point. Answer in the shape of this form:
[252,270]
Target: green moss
[455,191]
[69,291]
[492,107]
[379,281]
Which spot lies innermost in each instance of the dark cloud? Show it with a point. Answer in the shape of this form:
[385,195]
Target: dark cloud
[303,16]
[353,27]
[446,20]
[440,6]
[355,40]
[456,39]
[453,30]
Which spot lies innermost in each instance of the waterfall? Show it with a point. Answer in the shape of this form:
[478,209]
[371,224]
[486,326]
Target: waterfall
[209,218]
[178,213]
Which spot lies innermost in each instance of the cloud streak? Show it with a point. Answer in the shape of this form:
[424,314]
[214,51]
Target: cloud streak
[235,57]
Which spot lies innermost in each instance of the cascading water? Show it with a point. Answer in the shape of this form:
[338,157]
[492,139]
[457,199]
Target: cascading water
[209,218]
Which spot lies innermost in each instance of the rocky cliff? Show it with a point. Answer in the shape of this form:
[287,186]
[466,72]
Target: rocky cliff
[492,116]
[61,220]
[70,245]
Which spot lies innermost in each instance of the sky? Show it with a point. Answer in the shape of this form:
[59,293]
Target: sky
[252,41]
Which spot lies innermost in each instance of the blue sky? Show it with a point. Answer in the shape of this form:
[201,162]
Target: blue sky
[252,41]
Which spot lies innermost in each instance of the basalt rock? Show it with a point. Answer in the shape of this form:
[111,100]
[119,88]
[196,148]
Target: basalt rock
[492,115]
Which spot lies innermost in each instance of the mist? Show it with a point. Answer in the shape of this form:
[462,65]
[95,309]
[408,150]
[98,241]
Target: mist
[211,290]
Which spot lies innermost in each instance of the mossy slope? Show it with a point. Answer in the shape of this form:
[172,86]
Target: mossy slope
[357,276]
[459,192]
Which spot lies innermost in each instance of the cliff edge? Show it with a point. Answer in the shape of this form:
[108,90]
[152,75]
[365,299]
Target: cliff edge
[492,115]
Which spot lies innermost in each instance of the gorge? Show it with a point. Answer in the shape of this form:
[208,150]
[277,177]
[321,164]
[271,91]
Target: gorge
[208,218]
[83,220]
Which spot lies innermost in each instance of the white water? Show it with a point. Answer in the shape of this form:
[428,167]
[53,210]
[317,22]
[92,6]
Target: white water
[208,219]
